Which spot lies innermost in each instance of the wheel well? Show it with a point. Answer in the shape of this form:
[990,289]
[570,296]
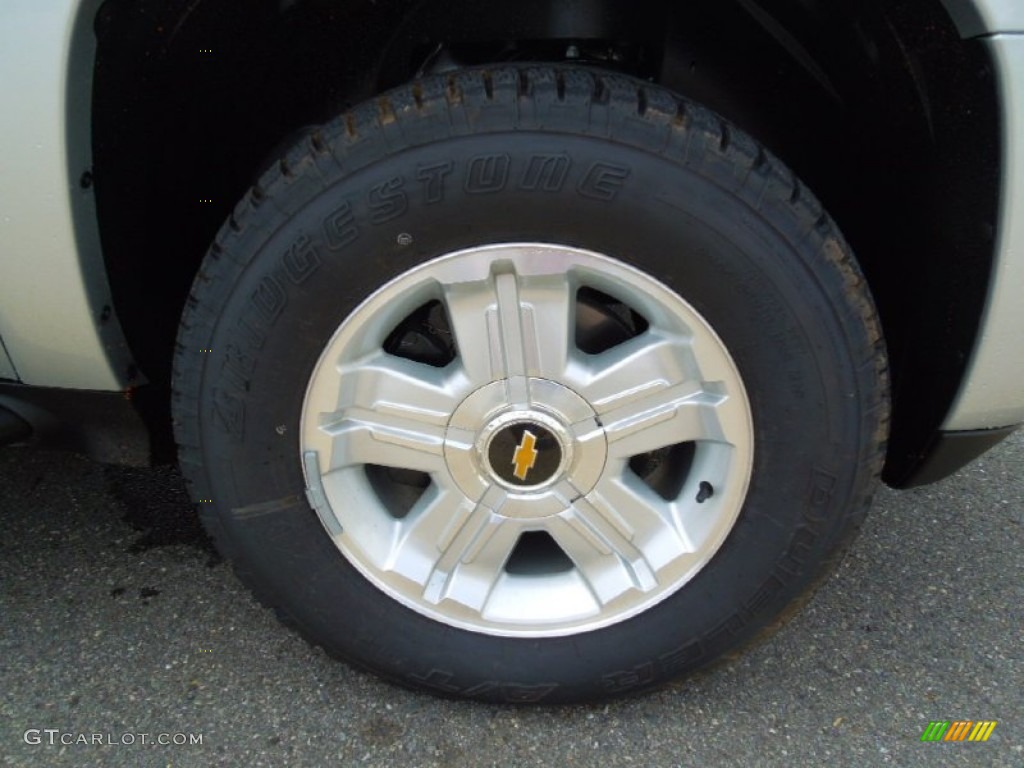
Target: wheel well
[878,106]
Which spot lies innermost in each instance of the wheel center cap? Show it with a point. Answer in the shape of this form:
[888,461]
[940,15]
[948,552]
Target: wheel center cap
[503,455]
[524,454]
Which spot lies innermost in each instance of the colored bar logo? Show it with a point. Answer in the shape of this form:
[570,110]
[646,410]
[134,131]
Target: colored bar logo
[958,730]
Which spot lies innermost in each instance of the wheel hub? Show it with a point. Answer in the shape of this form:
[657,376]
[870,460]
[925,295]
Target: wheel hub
[553,443]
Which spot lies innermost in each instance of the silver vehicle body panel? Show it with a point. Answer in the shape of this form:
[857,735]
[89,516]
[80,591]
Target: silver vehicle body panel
[55,309]
[992,393]
[6,366]
[981,17]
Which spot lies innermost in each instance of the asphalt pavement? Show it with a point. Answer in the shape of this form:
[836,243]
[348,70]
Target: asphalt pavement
[119,625]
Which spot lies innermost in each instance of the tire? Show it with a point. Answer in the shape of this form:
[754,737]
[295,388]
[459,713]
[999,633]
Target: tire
[530,270]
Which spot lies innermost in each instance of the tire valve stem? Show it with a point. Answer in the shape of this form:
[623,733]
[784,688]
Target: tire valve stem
[705,491]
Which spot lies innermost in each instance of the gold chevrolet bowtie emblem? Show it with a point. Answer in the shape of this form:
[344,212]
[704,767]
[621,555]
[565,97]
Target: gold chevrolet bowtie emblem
[526,455]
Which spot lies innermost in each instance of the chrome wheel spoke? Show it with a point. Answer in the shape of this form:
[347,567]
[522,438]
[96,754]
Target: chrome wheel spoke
[418,540]
[549,307]
[662,418]
[608,562]
[641,517]
[385,381]
[472,557]
[468,306]
[648,395]
[510,328]
[625,372]
[367,437]
[389,411]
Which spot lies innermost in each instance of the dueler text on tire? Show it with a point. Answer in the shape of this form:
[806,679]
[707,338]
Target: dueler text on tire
[530,384]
